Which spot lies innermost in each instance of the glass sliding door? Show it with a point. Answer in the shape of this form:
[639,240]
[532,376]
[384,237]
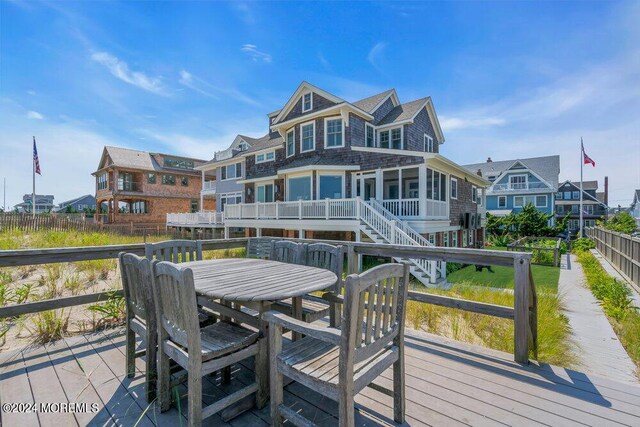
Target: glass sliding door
[330,187]
[299,188]
[264,193]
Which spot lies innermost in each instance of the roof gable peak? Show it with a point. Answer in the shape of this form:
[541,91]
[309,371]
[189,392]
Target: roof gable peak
[304,88]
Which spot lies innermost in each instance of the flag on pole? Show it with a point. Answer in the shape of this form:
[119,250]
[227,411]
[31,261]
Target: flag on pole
[587,160]
[35,157]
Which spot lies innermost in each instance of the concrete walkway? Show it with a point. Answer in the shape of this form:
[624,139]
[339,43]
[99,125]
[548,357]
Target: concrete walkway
[600,352]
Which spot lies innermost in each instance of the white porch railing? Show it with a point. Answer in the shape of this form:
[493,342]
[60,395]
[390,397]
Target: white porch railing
[403,208]
[209,186]
[301,209]
[198,218]
[437,209]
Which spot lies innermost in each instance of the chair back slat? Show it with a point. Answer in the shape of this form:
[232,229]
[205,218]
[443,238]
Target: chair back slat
[259,247]
[329,257]
[287,251]
[176,306]
[375,304]
[137,286]
[175,251]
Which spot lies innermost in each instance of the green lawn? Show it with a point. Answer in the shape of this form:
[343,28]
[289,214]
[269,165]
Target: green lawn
[502,277]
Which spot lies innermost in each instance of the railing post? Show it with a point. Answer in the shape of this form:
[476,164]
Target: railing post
[277,209]
[300,209]
[352,260]
[393,231]
[358,201]
[521,268]
[326,208]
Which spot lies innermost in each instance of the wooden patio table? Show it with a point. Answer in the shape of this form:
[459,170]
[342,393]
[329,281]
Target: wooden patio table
[257,284]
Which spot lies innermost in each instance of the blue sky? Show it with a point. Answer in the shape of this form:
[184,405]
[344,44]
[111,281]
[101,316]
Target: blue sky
[508,79]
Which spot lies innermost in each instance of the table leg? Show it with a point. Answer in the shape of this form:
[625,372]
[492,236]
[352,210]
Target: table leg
[262,359]
[296,311]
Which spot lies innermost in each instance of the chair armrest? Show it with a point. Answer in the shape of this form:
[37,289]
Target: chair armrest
[329,335]
[334,298]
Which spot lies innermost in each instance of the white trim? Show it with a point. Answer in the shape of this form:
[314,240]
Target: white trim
[253,180]
[394,100]
[286,146]
[373,128]
[326,134]
[428,138]
[264,184]
[319,167]
[265,160]
[235,171]
[342,107]
[390,130]
[452,179]
[286,181]
[546,201]
[313,123]
[505,202]
[526,169]
[304,86]
[327,173]
[474,194]
[519,175]
[389,151]
[521,204]
[310,93]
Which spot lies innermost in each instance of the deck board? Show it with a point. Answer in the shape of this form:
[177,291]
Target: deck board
[448,383]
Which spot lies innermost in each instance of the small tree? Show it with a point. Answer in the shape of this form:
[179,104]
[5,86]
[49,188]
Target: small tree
[532,222]
[621,222]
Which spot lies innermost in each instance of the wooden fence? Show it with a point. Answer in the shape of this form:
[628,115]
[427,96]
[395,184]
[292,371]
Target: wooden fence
[541,255]
[63,222]
[622,251]
[523,313]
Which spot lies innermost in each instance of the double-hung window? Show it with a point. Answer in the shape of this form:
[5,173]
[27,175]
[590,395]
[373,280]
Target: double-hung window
[428,143]
[502,201]
[307,137]
[291,143]
[576,195]
[333,133]
[265,157]
[541,201]
[102,181]
[307,102]
[518,182]
[232,171]
[370,139]
[396,138]
[383,138]
[454,188]
[518,201]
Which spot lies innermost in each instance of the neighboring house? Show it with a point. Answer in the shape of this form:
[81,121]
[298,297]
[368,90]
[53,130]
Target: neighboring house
[80,204]
[44,203]
[634,210]
[594,203]
[516,183]
[329,168]
[139,187]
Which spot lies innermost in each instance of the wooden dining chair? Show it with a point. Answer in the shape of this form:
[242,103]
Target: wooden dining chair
[287,251]
[200,351]
[175,251]
[344,361]
[259,247]
[328,257]
[140,317]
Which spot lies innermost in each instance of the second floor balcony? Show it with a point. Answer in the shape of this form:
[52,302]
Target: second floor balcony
[124,185]
[518,187]
[209,187]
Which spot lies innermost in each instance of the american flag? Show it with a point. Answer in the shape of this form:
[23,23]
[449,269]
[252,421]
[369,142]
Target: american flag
[35,157]
[587,160]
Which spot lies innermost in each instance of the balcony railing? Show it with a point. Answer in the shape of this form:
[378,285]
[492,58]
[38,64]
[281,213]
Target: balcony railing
[129,186]
[209,186]
[212,218]
[520,186]
[307,209]
[403,208]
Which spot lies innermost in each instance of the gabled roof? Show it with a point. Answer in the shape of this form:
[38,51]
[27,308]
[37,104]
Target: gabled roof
[372,103]
[303,88]
[136,159]
[600,196]
[547,167]
[403,112]
[77,199]
[270,140]
[585,196]
[586,185]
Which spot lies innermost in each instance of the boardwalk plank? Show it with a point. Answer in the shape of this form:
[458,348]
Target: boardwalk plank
[15,388]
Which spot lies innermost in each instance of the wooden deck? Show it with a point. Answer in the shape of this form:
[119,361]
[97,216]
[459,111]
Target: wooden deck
[448,383]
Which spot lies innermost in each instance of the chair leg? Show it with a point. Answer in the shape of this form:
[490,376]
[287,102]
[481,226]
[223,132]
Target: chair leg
[275,347]
[399,388]
[195,397]
[151,377]
[346,409]
[225,375]
[130,352]
[164,380]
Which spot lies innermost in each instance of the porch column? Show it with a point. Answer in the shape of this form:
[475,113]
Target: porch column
[354,188]
[422,186]
[226,232]
[258,232]
[379,184]
[301,234]
[201,194]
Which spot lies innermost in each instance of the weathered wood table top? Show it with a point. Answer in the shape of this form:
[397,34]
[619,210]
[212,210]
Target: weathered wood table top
[245,279]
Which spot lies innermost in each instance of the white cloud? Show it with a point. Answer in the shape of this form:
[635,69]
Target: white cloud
[325,64]
[454,123]
[244,11]
[121,70]
[35,115]
[32,92]
[255,54]
[375,55]
[214,91]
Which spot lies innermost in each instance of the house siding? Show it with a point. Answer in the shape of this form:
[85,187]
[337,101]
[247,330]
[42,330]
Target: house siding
[463,204]
[414,132]
[382,111]
[319,103]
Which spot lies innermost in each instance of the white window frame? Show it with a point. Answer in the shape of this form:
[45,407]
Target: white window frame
[326,133]
[573,195]
[452,195]
[515,204]
[545,201]
[321,173]
[526,181]
[474,194]
[431,237]
[390,129]
[264,157]
[428,143]
[235,171]
[368,126]
[454,239]
[264,184]
[312,123]
[445,239]
[293,142]
[479,197]
[500,205]
[306,175]
[310,101]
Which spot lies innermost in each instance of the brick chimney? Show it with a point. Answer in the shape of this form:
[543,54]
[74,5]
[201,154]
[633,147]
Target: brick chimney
[489,160]
[479,172]
[606,190]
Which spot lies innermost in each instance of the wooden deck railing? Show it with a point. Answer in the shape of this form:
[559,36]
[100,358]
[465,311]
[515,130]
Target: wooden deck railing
[622,250]
[523,313]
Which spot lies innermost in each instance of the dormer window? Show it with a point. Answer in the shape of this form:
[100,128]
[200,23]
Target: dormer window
[391,138]
[307,102]
[243,146]
[428,143]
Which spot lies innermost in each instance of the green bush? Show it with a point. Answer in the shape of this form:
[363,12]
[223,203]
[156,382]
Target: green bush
[621,222]
[582,244]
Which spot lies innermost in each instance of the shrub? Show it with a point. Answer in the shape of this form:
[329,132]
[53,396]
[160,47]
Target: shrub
[582,244]
[500,240]
[621,222]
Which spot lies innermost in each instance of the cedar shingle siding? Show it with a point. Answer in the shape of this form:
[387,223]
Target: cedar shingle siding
[319,103]
[414,133]
[382,111]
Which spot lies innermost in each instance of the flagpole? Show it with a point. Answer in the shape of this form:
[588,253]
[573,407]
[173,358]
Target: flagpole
[581,166]
[33,194]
